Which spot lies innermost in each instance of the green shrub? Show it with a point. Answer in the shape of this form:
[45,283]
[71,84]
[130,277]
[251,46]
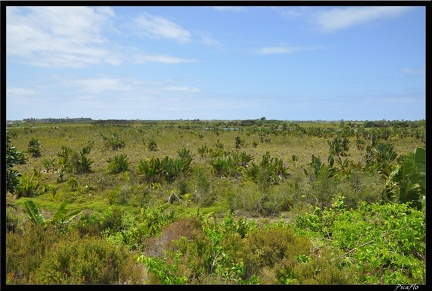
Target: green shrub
[267,247]
[152,145]
[165,170]
[75,162]
[378,238]
[225,166]
[28,185]
[34,148]
[114,142]
[270,171]
[48,165]
[204,251]
[12,159]
[118,164]
[25,252]
[72,184]
[318,268]
[86,261]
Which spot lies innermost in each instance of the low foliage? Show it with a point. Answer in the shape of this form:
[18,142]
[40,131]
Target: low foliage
[28,185]
[118,164]
[217,202]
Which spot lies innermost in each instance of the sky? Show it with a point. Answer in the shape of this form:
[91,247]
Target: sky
[216,62]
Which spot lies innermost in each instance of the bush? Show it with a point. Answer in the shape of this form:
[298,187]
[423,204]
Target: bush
[86,261]
[26,251]
[165,170]
[34,148]
[152,145]
[378,238]
[12,159]
[267,247]
[114,142]
[118,164]
[72,184]
[28,185]
[75,162]
[45,256]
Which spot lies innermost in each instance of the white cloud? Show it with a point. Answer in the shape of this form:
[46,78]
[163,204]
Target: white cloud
[99,85]
[160,59]
[127,88]
[414,71]
[19,92]
[58,36]
[291,11]
[159,27]
[284,49]
[207,39]
[182,89]
[229,8]
[341,18]
[17,97]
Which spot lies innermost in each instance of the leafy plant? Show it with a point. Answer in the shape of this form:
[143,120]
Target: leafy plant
[75,162]
[48,164]
[167,169]
[270,171]
[225,165]
[34,148]
[152,145]
[388,237]
[339,148]
[12,159]
[202,150]
[118,164]
[165,274]
[238,142]
[114,142]
[407,183]
[184,153]
[384,154]
[87,261]
[60,218]
[72,184]
[28,184]
[64,158]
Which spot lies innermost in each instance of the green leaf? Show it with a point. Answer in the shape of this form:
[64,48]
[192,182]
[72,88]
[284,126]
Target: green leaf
[34,214]
[61,215]
[420,162]
[409,180]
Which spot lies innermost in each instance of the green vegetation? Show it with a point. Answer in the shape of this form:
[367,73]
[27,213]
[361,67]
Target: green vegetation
[215,202]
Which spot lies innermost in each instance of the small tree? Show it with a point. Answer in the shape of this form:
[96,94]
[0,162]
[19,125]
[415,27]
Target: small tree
[12,158]
[34,148]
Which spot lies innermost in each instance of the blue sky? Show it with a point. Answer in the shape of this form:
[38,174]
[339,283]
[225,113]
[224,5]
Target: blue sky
[230,63]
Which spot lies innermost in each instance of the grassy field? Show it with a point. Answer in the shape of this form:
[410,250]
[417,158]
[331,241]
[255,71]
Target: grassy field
[263,171]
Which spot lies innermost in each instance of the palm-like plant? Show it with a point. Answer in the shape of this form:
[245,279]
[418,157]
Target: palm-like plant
[407,183]
[118,164]
[60,219]
[28,184]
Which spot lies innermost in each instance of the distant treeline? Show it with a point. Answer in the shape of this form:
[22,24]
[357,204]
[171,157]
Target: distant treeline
[395,123]
[246,122]
[57,120]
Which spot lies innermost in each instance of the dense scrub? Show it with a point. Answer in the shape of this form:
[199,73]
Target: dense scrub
[216,202]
